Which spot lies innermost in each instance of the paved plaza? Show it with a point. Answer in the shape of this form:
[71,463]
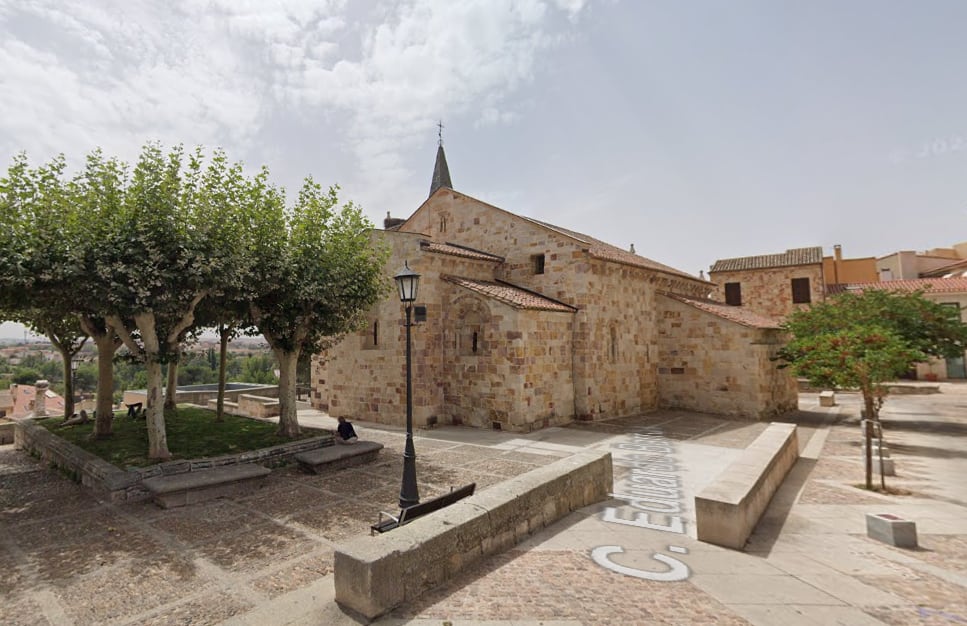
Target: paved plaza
[267,558]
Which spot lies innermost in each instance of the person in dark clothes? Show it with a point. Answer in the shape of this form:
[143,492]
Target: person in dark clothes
[345,433]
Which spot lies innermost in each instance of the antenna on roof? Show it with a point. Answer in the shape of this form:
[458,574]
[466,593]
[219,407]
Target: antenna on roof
[440,132]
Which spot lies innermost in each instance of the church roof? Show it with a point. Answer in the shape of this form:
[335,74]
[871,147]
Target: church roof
[927,285]
[794,256]
[732,313]
[607,252]
[462,251]
[441,173]
[509,294]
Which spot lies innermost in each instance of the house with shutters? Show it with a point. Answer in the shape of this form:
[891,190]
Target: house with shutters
[772,285]
[527,324]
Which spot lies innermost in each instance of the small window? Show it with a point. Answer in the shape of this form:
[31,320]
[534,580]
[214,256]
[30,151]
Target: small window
[800,291]
[538,262]
[614,344]
[733,294]
[443,223]
[473,346]
[375,332]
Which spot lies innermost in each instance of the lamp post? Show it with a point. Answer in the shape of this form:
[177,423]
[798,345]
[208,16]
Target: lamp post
[408,282]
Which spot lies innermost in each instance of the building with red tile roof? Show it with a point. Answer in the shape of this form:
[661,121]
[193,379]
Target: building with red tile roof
[526,324]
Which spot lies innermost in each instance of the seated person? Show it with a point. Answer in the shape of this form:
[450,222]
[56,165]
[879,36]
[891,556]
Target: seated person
[345,433]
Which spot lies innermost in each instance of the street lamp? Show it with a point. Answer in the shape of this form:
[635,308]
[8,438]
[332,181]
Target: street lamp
[408,282]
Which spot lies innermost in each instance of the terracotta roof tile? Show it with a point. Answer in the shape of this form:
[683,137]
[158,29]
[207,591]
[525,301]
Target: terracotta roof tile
[510,295]
[732,313]
[461,251]
[607,252]
[794,256]
[929,285]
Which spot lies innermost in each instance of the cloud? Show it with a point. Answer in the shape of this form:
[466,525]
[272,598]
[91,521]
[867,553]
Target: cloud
[75,75]
[425,61]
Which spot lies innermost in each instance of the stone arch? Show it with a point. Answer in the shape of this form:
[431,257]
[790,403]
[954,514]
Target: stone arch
[470,322]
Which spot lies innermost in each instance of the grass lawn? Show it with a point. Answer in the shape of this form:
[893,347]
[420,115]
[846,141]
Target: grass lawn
[193,433]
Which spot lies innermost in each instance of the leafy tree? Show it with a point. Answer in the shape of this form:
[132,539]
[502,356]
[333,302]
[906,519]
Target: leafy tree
[174,242]
[46,224]
[862,340]
[66,335]
[322,273]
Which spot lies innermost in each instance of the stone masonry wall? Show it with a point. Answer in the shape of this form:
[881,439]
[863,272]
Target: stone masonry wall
[713,365]
[769,291]
[519,378]
[614,334]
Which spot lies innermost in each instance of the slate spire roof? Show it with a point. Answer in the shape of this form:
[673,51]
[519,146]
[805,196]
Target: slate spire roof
[441,173]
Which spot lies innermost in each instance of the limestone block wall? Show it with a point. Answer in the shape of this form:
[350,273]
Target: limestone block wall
[450,216]
[769,291]
[713,365]
[616,343]
[519,378]
[364,374]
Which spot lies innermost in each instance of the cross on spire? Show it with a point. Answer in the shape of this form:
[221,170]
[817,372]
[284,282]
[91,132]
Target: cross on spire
[440,131]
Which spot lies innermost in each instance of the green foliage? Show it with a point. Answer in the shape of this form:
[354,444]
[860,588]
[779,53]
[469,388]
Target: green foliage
[861,340]
[193,433]
[322,269]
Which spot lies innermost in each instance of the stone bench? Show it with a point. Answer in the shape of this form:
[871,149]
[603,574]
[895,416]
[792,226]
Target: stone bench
[375,574]
[258,406]
[727,510]
[200,485]
[338,456]
[827,398]
[229,407]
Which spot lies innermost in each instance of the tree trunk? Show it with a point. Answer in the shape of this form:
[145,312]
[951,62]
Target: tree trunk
[868,436]
[223,334]
[171,392]
[155,415]
[68,383]
[106,347]
[157,436]
[107,344]
[288,417]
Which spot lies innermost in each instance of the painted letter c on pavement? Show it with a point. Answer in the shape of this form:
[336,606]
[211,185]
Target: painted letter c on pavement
[678,571]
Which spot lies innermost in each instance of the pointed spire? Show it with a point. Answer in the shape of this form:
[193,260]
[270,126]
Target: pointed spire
[441,173]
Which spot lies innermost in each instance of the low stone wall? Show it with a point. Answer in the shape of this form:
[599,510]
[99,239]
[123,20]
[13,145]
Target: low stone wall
[6,432]
[375,574]
[120,485]
[727,510]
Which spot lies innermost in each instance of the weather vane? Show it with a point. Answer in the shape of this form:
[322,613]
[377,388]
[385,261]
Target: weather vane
[440,131]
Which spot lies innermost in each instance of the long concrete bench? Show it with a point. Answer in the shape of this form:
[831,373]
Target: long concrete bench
[200,485]
[727,510]
[375,574]
[338,456]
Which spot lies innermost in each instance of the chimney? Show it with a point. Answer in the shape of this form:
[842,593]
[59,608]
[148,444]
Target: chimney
[391,222]
[838,252]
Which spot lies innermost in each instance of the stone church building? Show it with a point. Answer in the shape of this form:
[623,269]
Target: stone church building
[530,325]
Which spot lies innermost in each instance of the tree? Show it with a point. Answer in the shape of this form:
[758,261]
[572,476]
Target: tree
[322,273]
[174,242]
[66,335]
[862,340]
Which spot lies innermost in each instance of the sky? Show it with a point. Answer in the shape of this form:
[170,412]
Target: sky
[694,130]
